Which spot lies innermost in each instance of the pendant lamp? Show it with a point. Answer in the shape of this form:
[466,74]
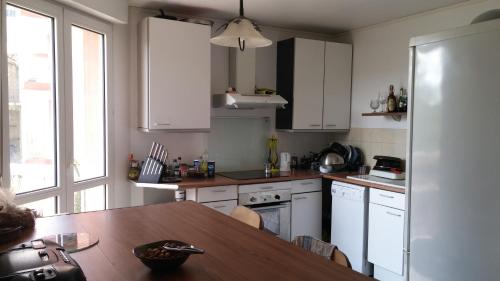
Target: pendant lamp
[241,33]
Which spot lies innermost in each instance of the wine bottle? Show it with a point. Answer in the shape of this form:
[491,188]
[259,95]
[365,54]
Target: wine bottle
[391,100]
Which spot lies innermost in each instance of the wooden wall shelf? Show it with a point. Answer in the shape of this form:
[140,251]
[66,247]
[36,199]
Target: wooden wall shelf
[395,115]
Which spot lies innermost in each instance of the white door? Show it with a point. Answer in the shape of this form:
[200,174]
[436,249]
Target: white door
[306,214]
[308,84]
[179,75]
[454,222]
[385,237]
[337,91]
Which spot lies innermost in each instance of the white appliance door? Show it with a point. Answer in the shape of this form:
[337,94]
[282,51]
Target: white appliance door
[349,215]
[276,219]
[455,183]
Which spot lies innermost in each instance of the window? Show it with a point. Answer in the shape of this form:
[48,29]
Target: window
[32,120]
[88,103]
[57,93]
[92,199]
[44,207]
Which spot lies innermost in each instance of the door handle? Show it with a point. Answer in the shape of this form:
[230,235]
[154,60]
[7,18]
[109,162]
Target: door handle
[314,125]
[299,198]
[331,125]
[162,124]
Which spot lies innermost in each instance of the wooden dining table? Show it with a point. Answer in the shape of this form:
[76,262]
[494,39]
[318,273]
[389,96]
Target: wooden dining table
[233,250]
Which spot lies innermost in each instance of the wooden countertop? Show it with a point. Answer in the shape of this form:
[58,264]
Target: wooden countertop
[220,180]
[295,175]
[234,251]
[342,177]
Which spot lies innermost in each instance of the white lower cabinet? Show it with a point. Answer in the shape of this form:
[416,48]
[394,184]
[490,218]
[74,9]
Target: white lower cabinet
[306,214]
[385,240]
[225,207]
[220,198]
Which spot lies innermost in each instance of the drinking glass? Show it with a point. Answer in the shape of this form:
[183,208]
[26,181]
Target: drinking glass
[374,104]
[383,100]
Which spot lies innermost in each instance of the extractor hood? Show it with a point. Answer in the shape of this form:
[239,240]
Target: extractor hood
[239,101]
[242,77]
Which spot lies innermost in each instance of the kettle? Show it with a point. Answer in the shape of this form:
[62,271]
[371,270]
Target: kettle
[285,161]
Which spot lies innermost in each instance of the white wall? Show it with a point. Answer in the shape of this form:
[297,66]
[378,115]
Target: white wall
[381,54]
[115,11]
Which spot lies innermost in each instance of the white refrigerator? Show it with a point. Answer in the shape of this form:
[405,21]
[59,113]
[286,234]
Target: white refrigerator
[453,224]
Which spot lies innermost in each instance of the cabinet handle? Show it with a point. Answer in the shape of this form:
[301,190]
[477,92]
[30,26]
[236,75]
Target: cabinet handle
[299,198]
[307,183]
[266,187]
[219,190]
[331,125]
[314,125]
[386,196]
[162,124]
[393,214]
[219,206]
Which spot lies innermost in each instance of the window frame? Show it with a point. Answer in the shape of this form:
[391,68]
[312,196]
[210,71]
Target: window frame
[83,21]
[64,17]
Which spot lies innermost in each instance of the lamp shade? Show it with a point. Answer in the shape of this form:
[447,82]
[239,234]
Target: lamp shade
[241,31]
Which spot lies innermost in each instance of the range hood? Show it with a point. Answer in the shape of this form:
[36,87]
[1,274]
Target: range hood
[239,101]
[242,77]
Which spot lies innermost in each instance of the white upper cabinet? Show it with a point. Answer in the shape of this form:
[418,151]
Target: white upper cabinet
[308,84]
[315,78]
[175,75]
[337,90]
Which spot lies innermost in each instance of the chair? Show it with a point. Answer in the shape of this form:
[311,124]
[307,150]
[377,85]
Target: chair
[321,248]
[247,216]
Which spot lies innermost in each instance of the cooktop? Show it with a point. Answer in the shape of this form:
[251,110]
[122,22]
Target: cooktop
[248,175]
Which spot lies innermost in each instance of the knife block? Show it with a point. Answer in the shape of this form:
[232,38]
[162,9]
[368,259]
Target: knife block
[151,171]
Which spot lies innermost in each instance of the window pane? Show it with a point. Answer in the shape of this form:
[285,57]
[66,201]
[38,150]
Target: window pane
[88,104]
[30,52]
[44,207]
[92,199]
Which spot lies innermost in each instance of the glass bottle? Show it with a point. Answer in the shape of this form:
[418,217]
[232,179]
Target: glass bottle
[391,100]
[403,101]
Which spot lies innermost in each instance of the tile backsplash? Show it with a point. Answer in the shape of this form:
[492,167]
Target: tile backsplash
[389,142]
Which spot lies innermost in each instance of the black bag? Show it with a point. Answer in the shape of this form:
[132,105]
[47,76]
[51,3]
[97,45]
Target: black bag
[39,260]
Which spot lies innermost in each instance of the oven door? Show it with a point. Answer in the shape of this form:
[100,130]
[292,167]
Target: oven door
[276,219]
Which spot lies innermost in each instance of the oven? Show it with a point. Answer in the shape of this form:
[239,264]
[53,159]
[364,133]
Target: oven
[274,208]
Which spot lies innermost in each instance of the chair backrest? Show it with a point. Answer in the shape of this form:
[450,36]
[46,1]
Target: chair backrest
[323,249]
[340,258]
[247,216]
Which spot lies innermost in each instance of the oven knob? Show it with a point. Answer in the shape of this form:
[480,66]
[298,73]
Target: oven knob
[277,197]
[253,199]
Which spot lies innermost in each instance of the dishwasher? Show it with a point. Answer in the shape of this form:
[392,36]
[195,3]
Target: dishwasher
[350,224]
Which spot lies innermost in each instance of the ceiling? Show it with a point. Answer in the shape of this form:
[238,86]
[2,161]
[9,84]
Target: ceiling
[328,16]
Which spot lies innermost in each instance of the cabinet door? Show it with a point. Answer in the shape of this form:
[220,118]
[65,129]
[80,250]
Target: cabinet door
[309,69]
[385,237]
[306,214]
[337,91]
[225,207]
[179,75]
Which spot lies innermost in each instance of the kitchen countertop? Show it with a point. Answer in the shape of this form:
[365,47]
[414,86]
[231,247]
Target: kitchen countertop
[295,175]
[220,180]
[233,250]
[343,177]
